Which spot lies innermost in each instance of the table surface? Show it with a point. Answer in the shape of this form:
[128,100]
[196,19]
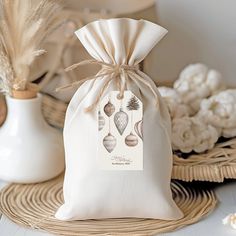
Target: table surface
[210,225]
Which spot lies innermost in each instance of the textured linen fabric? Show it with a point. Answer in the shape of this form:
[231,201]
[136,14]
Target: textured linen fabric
[91,193]
[81,13]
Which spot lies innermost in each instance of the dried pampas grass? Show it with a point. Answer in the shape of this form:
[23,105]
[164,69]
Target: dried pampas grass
[6,73]
[23,27]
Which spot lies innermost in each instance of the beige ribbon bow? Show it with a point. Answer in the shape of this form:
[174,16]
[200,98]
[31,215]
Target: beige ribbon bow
[120,73]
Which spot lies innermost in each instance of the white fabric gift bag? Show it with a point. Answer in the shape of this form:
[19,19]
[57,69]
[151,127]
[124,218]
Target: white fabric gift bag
[90,192]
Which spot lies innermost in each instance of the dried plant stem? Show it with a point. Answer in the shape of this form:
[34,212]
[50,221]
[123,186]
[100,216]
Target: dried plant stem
[23,27]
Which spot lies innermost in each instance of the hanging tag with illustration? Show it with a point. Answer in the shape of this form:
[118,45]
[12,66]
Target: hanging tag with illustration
[120,127]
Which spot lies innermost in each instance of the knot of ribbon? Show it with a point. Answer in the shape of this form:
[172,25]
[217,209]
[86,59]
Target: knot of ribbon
[119,73]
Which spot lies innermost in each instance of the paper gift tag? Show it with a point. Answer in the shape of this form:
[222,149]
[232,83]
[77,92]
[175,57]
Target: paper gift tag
[120,139]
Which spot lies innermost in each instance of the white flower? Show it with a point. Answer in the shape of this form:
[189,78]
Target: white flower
[196,82]
[230,220]
[220,111]
[168,92]
[192,134]
[229,133]
[173,101]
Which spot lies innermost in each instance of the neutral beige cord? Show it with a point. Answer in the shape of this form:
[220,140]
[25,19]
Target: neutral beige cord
[123,72]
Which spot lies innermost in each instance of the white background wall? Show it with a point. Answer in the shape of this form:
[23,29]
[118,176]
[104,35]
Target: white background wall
[199,31]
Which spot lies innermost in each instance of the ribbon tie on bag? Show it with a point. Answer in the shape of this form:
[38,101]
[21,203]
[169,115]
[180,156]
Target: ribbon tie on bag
[119,73]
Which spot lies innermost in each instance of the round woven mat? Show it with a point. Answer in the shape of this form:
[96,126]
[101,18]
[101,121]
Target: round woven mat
[34,206]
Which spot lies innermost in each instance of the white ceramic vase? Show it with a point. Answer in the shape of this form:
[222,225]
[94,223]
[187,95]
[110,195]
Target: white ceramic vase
[30,150]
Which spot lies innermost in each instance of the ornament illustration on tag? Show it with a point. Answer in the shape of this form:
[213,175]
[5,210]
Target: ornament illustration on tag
[138,128]
[121,120]
[101,121]
[133,105]
[109,109]
[120,144]
[109,142]
[131,140]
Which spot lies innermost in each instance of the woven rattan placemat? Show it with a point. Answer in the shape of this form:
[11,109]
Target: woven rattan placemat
[34,206]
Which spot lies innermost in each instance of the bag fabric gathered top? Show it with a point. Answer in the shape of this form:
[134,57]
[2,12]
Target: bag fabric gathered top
[117,130]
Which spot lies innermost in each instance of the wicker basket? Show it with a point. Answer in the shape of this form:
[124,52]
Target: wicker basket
[54,111]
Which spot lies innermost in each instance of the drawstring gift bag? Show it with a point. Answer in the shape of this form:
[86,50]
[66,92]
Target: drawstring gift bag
[117,130]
